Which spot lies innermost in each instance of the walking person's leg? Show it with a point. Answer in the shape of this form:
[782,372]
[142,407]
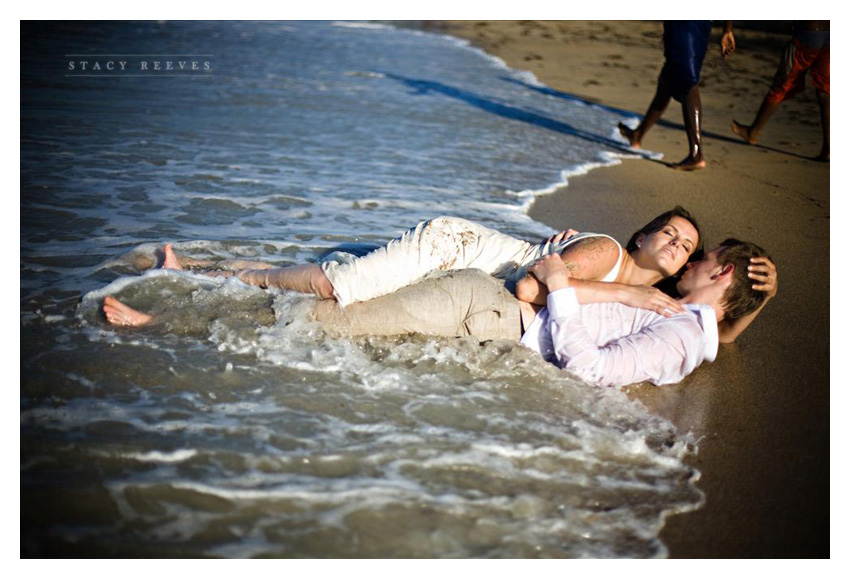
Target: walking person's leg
[653,114]
[692,113]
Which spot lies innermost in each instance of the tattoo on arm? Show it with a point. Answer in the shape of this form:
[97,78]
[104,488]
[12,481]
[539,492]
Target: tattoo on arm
[588,257]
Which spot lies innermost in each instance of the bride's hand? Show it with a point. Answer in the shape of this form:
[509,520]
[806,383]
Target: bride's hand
[648,298]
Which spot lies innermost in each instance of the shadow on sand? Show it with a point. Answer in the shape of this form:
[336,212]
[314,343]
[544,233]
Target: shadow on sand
[514,113]
[631,114]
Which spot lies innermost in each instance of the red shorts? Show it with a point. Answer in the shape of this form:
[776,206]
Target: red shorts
[790,77]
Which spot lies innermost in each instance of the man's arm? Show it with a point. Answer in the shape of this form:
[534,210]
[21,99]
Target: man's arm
[591,259]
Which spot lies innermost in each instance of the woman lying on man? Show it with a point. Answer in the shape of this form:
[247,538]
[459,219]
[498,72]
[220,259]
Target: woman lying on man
[658,250]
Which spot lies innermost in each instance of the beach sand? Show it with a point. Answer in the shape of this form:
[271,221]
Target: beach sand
[761,411]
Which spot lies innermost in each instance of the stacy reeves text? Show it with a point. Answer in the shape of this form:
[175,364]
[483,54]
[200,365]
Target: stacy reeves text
[142,65]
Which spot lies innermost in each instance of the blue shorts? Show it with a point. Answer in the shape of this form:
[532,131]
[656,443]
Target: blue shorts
[685,45]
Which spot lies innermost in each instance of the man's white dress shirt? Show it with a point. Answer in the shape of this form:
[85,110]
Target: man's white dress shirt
[611,344]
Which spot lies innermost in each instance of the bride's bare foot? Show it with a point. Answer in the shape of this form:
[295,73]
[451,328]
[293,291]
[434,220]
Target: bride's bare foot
[631,135]
[171,261]
[744,132]
[119,314]
[690,164]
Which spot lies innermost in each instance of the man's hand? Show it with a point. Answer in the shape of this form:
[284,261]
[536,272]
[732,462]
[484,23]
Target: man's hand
[763,271]
[551,271]
[562,235]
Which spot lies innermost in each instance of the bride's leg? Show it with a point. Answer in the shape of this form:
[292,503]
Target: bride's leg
[173,260]
[441,244]
[308,279]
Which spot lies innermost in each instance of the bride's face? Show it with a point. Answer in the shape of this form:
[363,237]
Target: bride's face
[669,248]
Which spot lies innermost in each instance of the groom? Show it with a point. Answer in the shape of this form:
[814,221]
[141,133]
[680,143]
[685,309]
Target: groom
[581,330]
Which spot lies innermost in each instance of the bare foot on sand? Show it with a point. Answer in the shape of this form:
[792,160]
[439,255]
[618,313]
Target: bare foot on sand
[630,135]
[171,261]
[744,132]
[119,314]
[689,164]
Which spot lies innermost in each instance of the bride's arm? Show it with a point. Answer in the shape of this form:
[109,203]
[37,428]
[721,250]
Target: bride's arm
[637,296]
[590,259]
[596,291]
[763,273]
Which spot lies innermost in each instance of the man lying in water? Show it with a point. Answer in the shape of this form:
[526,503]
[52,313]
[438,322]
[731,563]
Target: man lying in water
[580,330]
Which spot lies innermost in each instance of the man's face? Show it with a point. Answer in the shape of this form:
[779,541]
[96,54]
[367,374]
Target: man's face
[699,274]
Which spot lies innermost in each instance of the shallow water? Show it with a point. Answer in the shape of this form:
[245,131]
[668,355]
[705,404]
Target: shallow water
[236,427]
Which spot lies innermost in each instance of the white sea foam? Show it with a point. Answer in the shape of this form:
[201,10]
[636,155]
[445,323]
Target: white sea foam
[363,25]
[158,456]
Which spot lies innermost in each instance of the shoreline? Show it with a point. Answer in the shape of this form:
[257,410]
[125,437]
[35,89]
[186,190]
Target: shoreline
[761,411]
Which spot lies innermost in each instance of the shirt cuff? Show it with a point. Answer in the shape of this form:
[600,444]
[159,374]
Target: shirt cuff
[562,302]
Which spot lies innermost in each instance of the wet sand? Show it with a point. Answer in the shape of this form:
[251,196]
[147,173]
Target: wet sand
[762,409]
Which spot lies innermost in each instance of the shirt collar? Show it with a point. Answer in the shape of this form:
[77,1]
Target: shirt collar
[708,320]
